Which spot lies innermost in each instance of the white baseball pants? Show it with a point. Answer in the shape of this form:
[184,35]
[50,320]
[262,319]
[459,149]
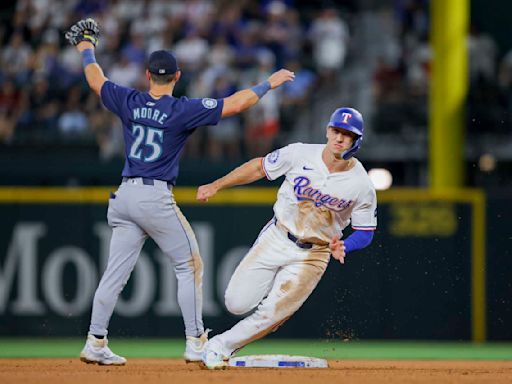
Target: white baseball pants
[277,277]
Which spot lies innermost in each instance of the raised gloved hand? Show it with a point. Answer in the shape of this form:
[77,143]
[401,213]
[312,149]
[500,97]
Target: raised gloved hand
[83,30]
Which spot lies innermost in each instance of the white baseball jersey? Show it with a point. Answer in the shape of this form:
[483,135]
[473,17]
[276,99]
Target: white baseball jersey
[314,204]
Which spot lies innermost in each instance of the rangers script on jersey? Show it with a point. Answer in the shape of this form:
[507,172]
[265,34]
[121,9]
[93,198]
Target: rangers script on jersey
[314,204]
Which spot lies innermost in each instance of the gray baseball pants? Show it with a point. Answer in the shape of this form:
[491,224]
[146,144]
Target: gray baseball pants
[136,211]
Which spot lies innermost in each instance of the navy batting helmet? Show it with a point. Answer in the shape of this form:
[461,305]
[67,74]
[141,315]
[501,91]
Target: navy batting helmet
[351,120]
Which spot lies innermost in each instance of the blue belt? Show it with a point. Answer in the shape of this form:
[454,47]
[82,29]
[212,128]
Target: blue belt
[146,181]
[297,242]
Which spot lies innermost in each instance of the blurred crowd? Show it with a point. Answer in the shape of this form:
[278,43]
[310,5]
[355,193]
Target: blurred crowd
[381,55]
[401,77]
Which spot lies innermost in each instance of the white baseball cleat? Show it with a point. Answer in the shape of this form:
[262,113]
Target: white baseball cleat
[213,359]
[195,347]
[96,351]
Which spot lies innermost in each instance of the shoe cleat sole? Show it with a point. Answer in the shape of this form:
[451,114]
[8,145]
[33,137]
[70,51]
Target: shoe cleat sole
[193,361]
[87,361]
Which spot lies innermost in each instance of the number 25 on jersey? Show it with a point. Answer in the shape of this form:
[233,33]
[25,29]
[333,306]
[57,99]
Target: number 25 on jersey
[148,137]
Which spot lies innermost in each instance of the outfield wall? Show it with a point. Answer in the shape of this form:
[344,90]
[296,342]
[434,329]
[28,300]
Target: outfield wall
[415,282]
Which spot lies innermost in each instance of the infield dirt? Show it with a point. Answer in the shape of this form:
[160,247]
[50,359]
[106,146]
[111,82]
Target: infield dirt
[165,371]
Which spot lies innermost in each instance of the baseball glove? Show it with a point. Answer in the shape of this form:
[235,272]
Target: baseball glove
[83,30]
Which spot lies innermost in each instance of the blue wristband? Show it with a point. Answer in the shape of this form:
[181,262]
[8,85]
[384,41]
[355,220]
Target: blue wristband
[88,57]
[261,88]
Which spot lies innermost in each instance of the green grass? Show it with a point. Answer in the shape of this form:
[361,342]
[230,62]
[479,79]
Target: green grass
[353,350]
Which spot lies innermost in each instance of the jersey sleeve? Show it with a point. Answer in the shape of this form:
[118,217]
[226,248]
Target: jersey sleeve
[113,96]
[199,112]
[364,215]
[277,163]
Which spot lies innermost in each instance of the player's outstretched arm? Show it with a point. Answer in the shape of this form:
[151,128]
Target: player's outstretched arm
[93,72]
[246,98]
[84,35]
[244,174]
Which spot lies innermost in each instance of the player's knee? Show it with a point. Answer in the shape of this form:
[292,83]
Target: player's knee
[236,307]
[192,266]
[236,304]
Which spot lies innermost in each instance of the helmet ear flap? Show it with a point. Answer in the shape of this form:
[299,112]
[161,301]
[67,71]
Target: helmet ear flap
[355,147]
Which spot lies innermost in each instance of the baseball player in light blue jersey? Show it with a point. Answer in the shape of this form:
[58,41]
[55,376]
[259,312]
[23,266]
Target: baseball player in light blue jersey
[156,126]
[325,189]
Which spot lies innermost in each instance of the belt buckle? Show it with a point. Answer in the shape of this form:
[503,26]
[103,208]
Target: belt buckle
[300,244]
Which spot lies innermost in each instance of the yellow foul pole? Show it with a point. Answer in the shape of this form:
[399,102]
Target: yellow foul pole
[448,89]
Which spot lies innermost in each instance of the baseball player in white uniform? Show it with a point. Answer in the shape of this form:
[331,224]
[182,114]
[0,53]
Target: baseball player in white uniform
[325,189]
